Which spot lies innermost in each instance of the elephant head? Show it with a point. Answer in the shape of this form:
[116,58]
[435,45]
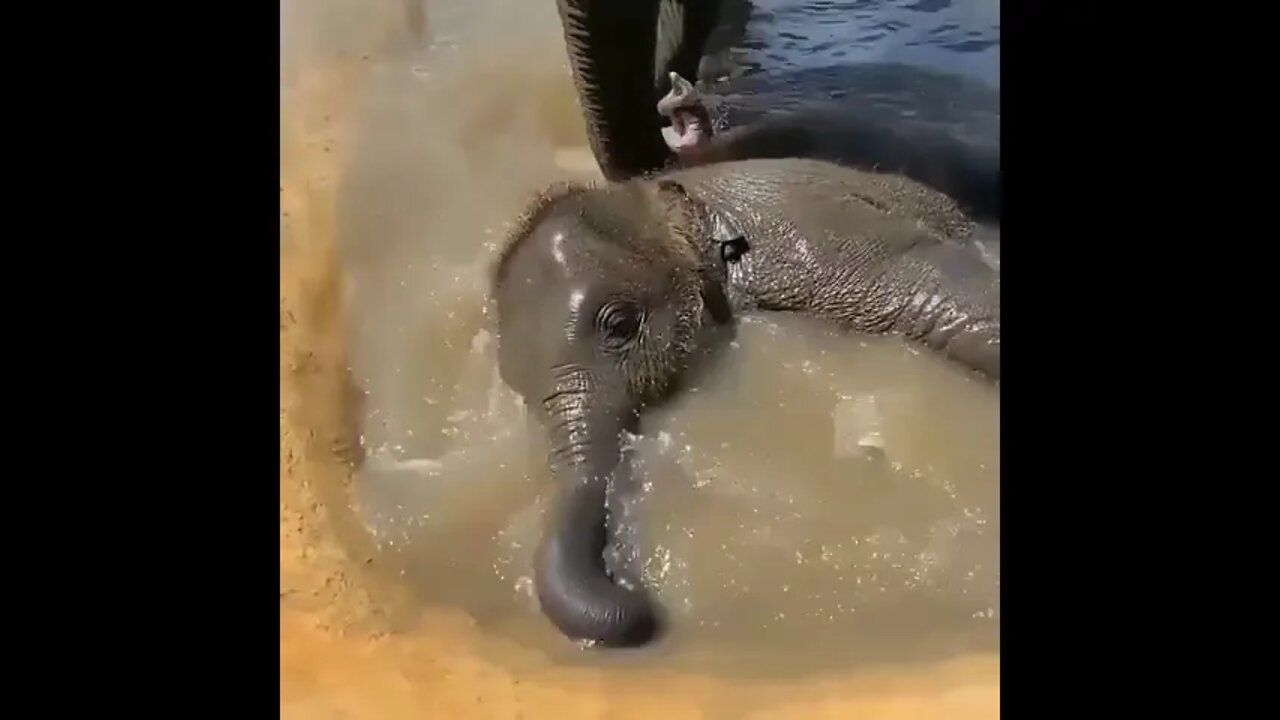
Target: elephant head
[600,297]
[621,53]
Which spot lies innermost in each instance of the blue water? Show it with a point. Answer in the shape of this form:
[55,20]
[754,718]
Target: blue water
[929,61]
[961,37]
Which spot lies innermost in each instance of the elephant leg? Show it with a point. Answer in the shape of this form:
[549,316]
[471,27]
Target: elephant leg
[620,53]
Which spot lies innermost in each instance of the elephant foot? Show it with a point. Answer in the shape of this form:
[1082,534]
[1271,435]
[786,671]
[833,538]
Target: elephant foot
[690,130]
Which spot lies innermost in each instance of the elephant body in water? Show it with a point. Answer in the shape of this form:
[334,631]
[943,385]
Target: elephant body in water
[605,294]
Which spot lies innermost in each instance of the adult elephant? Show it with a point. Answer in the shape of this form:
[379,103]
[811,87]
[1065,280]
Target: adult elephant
[622,53]
[605,294]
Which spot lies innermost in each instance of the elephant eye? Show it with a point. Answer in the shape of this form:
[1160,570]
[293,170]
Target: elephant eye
[619,322]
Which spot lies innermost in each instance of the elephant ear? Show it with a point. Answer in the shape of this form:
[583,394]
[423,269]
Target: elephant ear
[680,213]
[620,52]
[674,201]
[705,251]
[673,190]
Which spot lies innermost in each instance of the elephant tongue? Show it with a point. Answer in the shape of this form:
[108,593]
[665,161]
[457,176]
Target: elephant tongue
[686,130]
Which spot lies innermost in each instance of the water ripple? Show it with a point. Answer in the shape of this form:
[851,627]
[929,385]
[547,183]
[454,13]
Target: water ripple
[784,36]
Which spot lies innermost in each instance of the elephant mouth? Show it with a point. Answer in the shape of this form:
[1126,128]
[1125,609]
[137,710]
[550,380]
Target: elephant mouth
[690,125]
[686,131]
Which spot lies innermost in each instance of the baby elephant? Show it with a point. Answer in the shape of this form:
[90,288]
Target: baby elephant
[603,295]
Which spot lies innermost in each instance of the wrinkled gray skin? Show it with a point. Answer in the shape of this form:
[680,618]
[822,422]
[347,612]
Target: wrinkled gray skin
[693,140]
[605,296]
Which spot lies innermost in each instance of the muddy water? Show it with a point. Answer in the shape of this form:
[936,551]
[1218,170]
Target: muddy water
[814,502]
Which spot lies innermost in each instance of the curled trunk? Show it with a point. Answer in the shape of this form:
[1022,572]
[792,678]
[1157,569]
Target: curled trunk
[573,584]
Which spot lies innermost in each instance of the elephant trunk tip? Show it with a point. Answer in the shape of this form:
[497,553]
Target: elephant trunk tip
[639,631]
[578,596]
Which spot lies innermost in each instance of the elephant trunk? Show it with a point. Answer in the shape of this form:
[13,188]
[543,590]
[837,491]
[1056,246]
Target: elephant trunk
[574,587]
[611,49]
